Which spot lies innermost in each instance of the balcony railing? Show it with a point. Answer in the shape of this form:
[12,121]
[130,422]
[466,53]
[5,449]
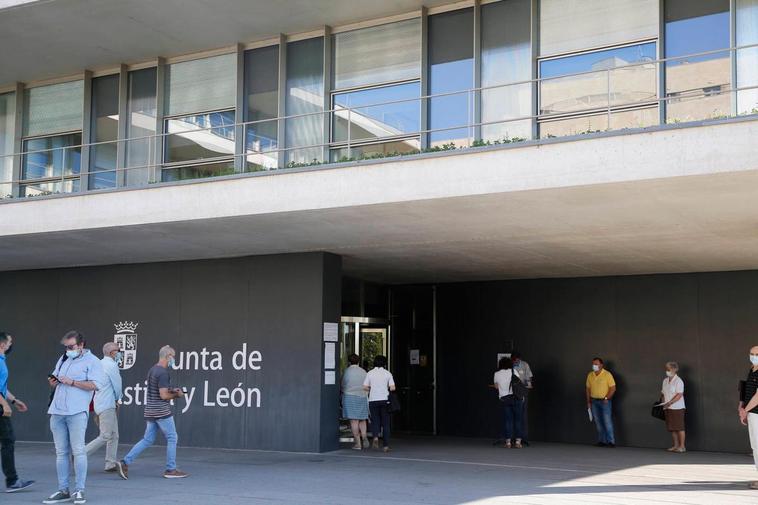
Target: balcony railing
[626,96]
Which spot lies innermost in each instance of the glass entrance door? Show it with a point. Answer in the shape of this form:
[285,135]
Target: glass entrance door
[366,337]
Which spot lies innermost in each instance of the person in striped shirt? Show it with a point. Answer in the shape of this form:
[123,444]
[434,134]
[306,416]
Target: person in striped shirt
[158,416]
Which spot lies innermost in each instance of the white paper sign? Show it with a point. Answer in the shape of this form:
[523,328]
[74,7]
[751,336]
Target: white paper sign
[329,355]
[331,332]
[415,356]
[330,377]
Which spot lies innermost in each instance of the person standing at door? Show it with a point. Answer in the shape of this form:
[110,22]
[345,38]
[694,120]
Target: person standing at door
[106,403]
[355,401]
[512,406]
[524,372]
[600,388]
[748,407]
[7,438]
[379,382]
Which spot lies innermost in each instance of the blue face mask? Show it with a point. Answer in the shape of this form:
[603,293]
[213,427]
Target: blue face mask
[73,354]
[171,362]
[118,357]
[754,359]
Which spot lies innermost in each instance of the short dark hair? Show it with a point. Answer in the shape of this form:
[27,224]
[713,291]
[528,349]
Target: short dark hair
[598,359]
[515,355]
[4,337]
[78,335]
[505,363]
[354,359]
[380,360]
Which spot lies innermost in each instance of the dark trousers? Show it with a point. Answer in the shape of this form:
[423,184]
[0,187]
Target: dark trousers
[7,441]
[380,420]
[513,416]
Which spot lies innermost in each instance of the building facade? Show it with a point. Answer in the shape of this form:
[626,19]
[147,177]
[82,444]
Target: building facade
[272,186]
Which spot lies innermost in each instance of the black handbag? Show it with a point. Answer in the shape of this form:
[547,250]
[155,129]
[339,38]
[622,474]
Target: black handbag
[393,403]
[658,412]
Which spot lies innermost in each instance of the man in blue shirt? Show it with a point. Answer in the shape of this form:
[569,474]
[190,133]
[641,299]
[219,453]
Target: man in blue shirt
[106,404]
[7,439]
[76,377]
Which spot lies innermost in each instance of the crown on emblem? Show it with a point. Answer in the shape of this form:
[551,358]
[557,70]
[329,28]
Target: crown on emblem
[124,326]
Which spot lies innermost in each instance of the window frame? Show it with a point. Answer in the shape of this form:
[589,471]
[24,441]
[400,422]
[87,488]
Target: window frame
[77,176]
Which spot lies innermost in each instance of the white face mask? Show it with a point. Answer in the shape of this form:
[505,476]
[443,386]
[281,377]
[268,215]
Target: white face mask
[669,373]
[595,368]
[754,359]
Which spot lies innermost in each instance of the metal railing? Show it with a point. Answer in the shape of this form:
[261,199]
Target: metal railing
[148,159]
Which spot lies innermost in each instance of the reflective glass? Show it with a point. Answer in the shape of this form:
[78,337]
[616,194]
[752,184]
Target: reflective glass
[620,74]
[7,127]
[635,118]
[378,54]
[304,95]
[104,128]
[451,69]
[747,59]
[198,171]
[199,136]
[367,121]
[54,108]
[506,57]
[52,156]
[697,87]
[142,107]
[262,104]
[573,25]
[49,188]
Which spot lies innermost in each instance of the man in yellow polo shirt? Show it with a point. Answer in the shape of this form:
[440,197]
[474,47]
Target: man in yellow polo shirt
[600,390]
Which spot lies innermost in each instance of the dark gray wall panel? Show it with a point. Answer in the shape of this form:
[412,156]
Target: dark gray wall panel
[274,304]
[707,322]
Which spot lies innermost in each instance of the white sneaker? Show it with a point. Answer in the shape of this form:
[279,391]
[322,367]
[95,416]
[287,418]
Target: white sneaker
[79,498]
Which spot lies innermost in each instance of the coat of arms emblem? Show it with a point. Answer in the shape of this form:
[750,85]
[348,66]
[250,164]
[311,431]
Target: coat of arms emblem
[126,338]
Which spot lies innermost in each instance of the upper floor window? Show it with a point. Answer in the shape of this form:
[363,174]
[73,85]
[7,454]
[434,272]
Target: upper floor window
[104,133]
[262,108]
[7,136]
[747,59]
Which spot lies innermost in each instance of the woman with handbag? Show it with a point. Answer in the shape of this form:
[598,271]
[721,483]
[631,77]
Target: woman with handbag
[672,396]
[354,401]
[504,380]
[379,382]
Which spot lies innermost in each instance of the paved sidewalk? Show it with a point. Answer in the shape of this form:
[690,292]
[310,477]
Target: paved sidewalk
[418,471]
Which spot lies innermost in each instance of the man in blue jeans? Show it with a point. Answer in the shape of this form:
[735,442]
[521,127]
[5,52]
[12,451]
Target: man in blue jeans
[158,416]
[76,377]
[600,388]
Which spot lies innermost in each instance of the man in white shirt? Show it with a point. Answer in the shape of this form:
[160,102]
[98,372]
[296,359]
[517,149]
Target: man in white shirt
[106,404]
[524,373]
[379,382]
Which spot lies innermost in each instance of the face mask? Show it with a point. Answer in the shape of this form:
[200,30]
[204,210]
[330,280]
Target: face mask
[118,357]
[595,368]
[73,354]
[669,373]
[171,362]
[753,359]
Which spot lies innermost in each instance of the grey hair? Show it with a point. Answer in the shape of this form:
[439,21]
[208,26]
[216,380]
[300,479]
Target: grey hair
[109,347]
[165,351]
[673,365]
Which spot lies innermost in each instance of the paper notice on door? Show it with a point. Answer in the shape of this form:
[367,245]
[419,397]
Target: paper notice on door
[330,377]
[331,332]
[329,355]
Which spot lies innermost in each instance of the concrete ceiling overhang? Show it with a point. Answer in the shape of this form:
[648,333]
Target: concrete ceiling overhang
[52,38]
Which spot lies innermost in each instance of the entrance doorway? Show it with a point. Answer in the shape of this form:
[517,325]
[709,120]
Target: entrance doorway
[367,337]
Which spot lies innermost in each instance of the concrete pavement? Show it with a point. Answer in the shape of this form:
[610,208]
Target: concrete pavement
[418,471]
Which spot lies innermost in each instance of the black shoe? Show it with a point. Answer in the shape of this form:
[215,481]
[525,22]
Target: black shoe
[601,444]
[58,497]
[611,445]
[20,485]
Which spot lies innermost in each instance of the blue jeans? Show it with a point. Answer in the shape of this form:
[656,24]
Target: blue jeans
[168,428]
[513,413]
[601,413]
[68,435]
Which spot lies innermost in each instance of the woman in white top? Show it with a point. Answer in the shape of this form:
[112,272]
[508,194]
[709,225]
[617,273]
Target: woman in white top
[513,412]
[672,396]
[379,383]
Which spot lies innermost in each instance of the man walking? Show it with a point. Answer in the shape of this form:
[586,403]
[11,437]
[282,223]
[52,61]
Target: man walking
[7,439]
[158,416]
[106,406]
[76,377]
[600,388]
[524,372]
[748,408]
